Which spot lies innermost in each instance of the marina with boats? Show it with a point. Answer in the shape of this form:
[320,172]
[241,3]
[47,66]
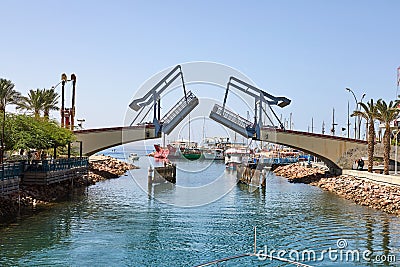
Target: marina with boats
[232,154]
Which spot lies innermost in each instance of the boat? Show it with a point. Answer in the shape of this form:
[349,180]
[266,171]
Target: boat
[214,147]
[161,153]
[213,153]
[133,156]
[235,156]
[191,153]
[178,148]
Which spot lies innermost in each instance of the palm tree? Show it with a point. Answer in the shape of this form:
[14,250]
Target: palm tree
[50,98]
[34,102]
[369,113]
[7,96]
[386,114]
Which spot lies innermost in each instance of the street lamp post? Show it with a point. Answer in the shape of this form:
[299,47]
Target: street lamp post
[396,132]
[348,119]
[355,119]
[63,81]
[358,117]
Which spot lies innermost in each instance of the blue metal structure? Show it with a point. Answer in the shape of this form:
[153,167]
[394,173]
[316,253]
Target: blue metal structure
[225,117]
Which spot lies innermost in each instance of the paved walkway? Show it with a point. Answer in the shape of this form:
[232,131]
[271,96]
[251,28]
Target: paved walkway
[94,158]
[374,177]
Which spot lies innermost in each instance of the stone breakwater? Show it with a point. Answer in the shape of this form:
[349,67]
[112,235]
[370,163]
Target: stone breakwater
[34,196]
[300,174]
[107,168]
[377,196]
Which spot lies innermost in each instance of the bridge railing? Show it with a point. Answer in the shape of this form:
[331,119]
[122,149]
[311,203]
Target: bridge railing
[231,116]
[182,103]
[10,170]
[57,164]
[283,160]
[10,176]
[184,106]
[327,136]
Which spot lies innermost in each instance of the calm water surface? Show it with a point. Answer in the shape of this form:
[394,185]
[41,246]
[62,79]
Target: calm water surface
[116,223]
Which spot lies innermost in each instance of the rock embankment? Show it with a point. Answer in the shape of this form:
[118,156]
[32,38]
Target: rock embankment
[31,196]
[377,196]
[370,194]
[107,168]
[300,174]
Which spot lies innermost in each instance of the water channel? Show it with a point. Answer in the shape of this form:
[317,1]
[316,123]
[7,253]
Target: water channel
[116,223]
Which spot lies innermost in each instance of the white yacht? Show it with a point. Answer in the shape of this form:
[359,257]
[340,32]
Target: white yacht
[213,153]
[235,156]
[133,156]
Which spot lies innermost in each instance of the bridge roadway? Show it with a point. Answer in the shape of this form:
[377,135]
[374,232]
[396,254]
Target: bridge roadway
[95,140]
[326,147]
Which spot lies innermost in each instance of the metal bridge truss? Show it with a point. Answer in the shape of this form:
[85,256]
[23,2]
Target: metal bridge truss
[219,113]
[240,125]
[153,99]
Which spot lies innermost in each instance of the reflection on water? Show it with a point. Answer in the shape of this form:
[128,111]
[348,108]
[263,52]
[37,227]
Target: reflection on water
[119,223]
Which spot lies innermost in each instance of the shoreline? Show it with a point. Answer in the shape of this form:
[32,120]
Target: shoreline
[374,195]
[31,198]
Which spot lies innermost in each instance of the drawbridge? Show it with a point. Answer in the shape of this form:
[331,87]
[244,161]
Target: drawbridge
[152,100]
[265,126]
[262,100]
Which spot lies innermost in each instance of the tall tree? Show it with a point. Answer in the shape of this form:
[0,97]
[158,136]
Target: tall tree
[386,113]
[50,98]
[369,113]
[8,95]
[34,102]
[26,132]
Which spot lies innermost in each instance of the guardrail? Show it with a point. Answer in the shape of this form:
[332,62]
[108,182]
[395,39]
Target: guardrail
[231,116]
[57,164]
[10,170]
[10,176]
[286,160]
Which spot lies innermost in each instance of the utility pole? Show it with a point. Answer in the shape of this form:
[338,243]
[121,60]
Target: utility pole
[290,121]
[323,127]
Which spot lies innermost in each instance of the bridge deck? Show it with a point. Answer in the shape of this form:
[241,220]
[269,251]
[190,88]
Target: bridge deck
[114,129]
[316,135]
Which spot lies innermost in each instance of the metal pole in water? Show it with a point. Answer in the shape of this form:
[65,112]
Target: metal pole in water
[395,157]
[150,174]
[255,239]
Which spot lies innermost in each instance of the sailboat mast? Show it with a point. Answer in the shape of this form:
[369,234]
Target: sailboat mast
[204,134]
[189,130]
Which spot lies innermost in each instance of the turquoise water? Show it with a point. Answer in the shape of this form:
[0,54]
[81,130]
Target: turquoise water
[117,223]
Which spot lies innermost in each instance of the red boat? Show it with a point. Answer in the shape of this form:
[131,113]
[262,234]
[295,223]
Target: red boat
[161,153]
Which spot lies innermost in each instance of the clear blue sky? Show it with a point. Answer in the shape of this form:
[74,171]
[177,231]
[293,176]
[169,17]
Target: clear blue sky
[308,51]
